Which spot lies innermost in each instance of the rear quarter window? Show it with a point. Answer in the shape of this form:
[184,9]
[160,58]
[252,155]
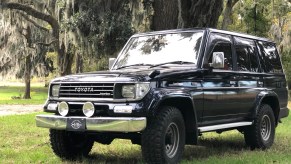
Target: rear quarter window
[269,58]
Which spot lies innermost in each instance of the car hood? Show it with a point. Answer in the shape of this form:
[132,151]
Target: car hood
[128,75]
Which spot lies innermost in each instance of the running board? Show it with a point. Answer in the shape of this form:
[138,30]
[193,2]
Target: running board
[223,126]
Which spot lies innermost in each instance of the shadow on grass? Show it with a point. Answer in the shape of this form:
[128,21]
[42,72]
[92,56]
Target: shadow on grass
[134,157]
[208,147]
[216,146]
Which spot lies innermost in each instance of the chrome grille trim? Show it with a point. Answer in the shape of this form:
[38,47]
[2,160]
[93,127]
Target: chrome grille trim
[93,90]
[86,90]
[86,85]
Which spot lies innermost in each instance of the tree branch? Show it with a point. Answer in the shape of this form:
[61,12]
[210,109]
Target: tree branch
[46,44]
[34,13]
[20,30]
[5,40]
[7,64]
[33,22]
[48,10]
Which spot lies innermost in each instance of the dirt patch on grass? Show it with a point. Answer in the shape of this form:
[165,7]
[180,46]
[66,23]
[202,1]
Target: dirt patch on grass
[19,109]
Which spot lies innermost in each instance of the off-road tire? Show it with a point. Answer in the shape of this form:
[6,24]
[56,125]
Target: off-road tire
[261,134]
[70,145]
[159,135]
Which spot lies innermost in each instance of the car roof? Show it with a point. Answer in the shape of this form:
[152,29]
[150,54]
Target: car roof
[204,29]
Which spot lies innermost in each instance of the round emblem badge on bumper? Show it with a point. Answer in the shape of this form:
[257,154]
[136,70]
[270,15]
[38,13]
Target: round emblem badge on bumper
[76,124]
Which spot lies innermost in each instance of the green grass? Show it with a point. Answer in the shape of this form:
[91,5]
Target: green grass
[22,142]
[38,95]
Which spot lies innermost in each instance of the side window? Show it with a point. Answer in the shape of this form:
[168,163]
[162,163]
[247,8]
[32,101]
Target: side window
[220,43]
[269,58]
[246,55]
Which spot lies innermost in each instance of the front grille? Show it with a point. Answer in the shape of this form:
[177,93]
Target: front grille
[87,90]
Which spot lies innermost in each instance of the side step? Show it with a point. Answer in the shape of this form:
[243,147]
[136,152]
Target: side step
[223,126]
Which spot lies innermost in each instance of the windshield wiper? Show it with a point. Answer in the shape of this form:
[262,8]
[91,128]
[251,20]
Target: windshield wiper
[172,62]
[139,64]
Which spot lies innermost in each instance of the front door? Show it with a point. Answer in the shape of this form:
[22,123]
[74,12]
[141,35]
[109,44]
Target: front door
[220,88]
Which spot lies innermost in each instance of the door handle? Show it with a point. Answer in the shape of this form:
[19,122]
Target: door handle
[233,83]
[260,84]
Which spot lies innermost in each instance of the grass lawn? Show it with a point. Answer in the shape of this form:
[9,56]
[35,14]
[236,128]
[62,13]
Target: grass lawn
[38,95]
[22,142]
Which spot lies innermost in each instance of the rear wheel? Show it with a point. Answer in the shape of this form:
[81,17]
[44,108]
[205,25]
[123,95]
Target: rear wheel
[262,133]
[70,145]
[164,138]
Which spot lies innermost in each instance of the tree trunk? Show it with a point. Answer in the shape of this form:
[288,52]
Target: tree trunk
[27,76]
[172,14]
[68,63]
[227,14]
[66,59]
[165,15]
[205,13]
[27,68]
[79,63]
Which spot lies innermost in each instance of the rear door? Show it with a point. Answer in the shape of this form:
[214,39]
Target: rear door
[250,80]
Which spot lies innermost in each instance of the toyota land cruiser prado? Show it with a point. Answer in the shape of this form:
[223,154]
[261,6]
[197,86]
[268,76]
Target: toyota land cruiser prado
[165,89]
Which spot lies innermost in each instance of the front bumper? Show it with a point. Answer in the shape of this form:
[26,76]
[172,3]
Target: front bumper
[98,124]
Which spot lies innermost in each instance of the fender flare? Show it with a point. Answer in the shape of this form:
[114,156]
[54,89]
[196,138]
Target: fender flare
[260,97]
[191,127]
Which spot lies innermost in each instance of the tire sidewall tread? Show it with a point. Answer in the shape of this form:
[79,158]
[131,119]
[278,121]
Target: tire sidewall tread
[252,133]
[63,146]
[153,138]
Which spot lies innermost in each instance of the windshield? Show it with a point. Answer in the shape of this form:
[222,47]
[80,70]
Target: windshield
[161,48]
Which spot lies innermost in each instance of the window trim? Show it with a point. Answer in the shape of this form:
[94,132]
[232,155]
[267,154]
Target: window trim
[208,44]
[258,58]
[256,54]
[276,50]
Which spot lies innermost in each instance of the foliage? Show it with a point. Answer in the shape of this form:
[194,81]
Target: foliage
[251,17]
[99,29]
[33,146]
[286,60]
[22,41]
[256,22]
[272,20]
[100,35]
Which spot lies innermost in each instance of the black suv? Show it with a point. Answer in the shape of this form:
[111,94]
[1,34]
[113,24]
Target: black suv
[165,89]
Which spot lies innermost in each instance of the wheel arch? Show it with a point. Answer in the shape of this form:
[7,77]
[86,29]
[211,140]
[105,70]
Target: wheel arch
[186,106]
[271,99]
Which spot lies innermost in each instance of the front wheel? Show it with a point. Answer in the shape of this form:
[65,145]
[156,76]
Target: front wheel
[164,138]
[70,145]
[262,133]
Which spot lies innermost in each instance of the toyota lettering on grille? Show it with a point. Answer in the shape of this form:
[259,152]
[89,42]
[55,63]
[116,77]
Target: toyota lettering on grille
[84,89]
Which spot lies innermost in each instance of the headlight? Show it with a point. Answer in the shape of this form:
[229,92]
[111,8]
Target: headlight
[128,91]
[55,90]
[136,91]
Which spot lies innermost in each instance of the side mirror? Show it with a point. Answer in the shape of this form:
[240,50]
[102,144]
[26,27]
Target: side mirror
[217,60]
[111,62]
